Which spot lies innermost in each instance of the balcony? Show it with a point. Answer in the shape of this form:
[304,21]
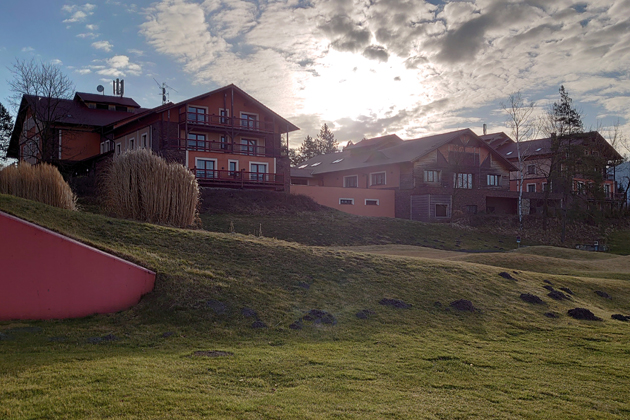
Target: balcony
[223,122]
[238,179]
[249,149]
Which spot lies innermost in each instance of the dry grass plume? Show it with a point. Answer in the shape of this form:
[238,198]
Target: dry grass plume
[143,186]
[41,183]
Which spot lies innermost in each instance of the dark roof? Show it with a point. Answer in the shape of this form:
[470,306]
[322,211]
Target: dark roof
[542,147]
[301,173]
[375,142]
[405,151]
[497,140]
[106,99]
[62,111]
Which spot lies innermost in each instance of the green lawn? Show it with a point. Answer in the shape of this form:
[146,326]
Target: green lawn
[505,360]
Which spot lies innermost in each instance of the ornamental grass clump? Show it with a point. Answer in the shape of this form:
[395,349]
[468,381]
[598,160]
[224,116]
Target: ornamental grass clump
[143,186]
[41,183]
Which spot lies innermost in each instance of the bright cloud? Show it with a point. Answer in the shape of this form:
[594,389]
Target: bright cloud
[102,45]
[398,66]
[78,13]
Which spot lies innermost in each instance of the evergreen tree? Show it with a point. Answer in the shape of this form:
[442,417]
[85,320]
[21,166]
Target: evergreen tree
[6,128]
[326,140]
[566,118]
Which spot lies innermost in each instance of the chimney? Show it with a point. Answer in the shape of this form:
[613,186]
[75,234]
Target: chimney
[485,129]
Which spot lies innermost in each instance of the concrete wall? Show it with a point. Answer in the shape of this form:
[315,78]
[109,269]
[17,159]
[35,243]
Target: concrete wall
[44,275]
[330,196]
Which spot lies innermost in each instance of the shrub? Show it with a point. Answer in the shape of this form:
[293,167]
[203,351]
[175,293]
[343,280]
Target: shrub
[142,186]
[41,183]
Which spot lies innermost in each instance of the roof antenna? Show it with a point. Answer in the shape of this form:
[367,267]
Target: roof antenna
[165,95]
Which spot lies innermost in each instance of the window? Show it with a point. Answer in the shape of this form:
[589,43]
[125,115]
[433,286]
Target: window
[337,160]
[441,210]
[545,186]
[105,147]
[431,176]
[351,181]
[117,148]
[346,201]
[205,168]
[258,172]
[493,180]
[131,141]
[248,146]
[302,166]
[233,168]
[462,181]
[102,106]
[531,169]
[371,202]
[143,141]
[224,143]
[531,187]
[377,178]
[121,108]
[197,114]
[196,141]
[316,164]
[249,121]
[223,115]
[607,190]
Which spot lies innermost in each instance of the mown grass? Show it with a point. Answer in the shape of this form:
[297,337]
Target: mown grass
[505,360]
[619,242]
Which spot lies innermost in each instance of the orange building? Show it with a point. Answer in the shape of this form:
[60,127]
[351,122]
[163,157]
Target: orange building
[226,137]
[426,179]
[578,166]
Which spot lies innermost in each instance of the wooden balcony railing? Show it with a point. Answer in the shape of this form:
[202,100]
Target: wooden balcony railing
[221,147]
[212,120]
[237,178]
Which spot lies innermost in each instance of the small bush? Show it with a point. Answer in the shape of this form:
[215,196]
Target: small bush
[41,183]
[142,186]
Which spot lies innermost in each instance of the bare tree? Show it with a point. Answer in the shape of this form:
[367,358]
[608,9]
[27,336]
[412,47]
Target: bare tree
[40,90]
[522,125]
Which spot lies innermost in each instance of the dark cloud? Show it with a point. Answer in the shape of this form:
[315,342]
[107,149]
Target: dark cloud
[345,34]
[376,52]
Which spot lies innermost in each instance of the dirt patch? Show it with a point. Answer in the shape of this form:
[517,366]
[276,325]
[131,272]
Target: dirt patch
[318,316]
[395,303]
[551,315]
[168,334]
[529,298]
[603,294]
[105,338]
[567,290]
[462,305]
[297,325]
[557,295]
[506,275]
[364,314]
[213,353]
[219,308]
[550,288]
[258,324]
[249,313]
[583,313]
[620,317]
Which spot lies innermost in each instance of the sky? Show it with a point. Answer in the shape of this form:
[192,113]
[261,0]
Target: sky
[365,68]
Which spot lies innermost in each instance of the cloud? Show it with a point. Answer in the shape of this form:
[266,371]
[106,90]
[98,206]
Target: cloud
[139,53]
[56,62]
[78,13]
[102,45]
[116,66]
[87,35]
[28,49]
[396,66]
[91,27]
[376,52]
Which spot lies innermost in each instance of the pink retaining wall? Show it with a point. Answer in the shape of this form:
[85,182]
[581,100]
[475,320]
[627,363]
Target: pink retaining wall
[45,275]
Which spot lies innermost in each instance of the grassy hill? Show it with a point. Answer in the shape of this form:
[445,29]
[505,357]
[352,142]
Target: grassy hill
[190,349]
